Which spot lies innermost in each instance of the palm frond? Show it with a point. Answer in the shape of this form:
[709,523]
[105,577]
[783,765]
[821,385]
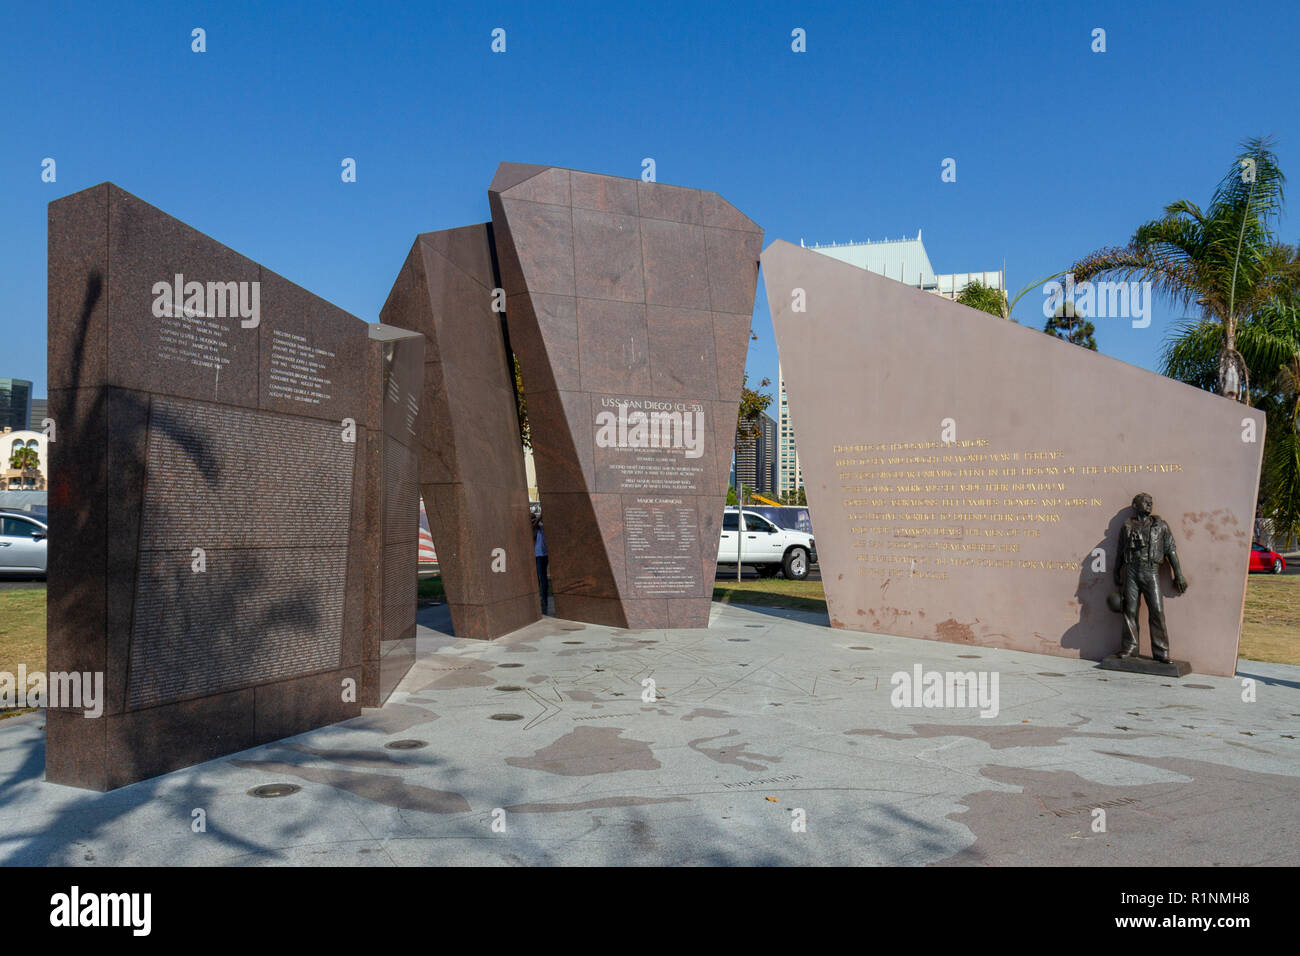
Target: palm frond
[1191,352]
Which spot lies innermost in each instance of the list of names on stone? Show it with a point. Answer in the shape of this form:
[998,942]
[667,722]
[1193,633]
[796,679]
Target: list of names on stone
[661,536]
[194,339]
[297,369]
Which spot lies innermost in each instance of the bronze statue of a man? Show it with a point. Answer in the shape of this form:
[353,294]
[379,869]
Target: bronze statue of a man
[1145,543]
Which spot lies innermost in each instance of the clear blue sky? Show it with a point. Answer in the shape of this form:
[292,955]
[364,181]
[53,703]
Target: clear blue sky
[1059,150]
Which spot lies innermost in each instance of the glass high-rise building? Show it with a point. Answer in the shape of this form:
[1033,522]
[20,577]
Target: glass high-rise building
[756,459]
[15,403]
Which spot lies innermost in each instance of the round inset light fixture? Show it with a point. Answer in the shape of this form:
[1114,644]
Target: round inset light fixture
[274,790]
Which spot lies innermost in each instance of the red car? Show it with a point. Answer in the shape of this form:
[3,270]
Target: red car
[1262,559]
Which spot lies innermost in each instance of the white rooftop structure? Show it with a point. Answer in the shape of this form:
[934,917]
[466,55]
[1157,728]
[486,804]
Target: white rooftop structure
[906,260]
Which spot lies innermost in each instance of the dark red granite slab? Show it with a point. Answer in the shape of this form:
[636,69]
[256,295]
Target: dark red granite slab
[189,351]
[471,454]
[635,296]
[224,424]
[310,352]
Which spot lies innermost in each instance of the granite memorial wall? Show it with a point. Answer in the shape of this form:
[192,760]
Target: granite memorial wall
[471,454]
[232,506]
[238,460]
[968,477]
[628,307]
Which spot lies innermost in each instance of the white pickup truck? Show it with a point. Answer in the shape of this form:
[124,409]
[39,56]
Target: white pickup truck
[766,547]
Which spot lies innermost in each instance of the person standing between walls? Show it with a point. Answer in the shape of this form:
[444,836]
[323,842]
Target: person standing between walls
[540,554]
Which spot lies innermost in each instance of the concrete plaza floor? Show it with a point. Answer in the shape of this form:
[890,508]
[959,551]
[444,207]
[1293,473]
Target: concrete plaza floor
[766,720]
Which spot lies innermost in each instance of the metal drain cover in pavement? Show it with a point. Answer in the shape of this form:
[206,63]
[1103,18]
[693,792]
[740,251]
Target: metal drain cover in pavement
[510,665]
[860,647]
[1049,674]
[274,790]
[969,656]
[508,687]
[571,642]
[506,717]
[744,640]
[410,744]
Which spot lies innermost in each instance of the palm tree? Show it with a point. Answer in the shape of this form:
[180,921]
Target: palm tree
[1225,260]
[1269,343]
[795,496]
[986,298]
[25,460]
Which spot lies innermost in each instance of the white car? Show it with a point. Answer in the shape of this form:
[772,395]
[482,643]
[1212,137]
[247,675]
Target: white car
[22,544]
[766,547]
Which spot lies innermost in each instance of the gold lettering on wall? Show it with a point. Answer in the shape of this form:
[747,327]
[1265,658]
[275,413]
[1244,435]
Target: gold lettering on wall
[927,509]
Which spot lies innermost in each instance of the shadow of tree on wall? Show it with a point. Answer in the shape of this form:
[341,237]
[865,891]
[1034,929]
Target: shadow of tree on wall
[205,625]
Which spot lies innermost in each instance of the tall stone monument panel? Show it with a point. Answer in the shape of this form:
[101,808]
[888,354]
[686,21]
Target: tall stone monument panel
[471,453]
[968,477]
[629,308]
[214,460]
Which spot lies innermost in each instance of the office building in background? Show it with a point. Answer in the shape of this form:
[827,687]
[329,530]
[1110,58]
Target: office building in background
[15,403]
[756,458]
